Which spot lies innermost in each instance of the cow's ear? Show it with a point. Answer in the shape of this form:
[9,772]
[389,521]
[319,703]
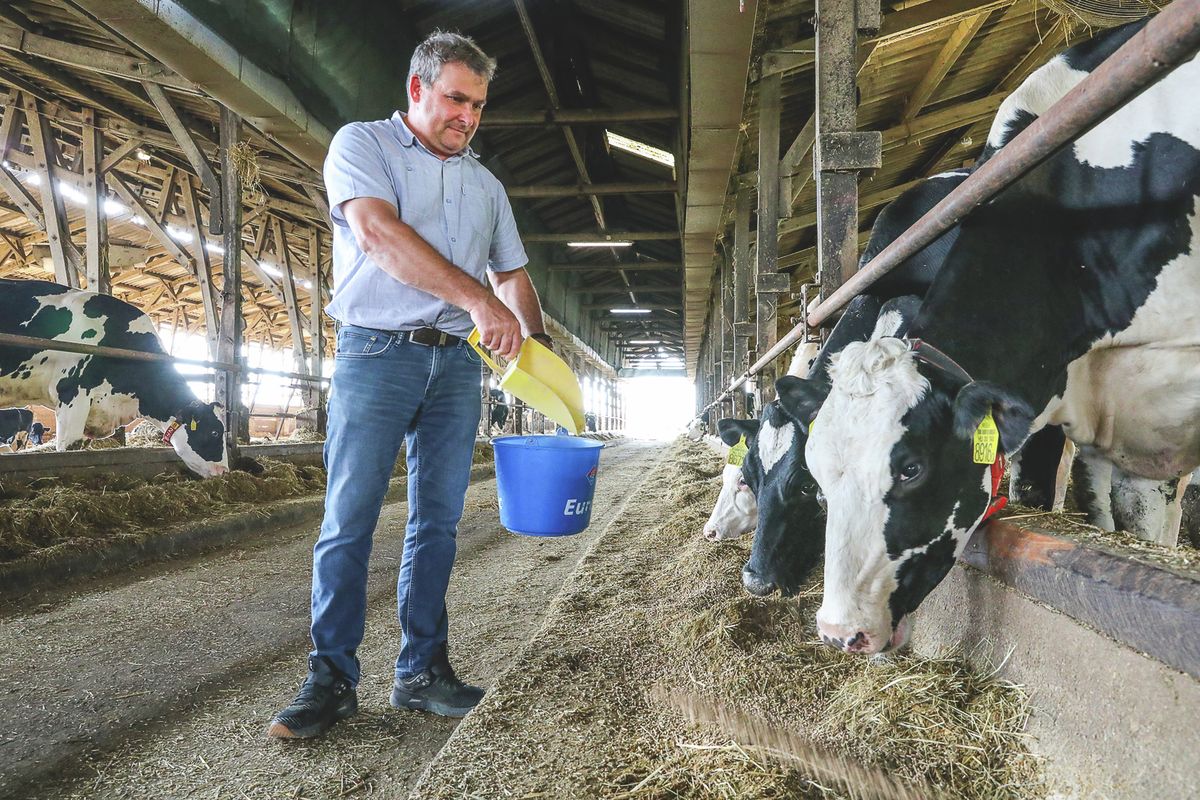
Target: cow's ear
[215,406]
[801,398]
[1013,416]
[731,430]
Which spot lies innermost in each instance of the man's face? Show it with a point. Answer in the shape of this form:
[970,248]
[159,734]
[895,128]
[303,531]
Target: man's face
[446,115]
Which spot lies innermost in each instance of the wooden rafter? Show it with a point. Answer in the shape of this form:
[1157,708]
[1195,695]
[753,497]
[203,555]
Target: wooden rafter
[943,62]
[66,258]
[202,265]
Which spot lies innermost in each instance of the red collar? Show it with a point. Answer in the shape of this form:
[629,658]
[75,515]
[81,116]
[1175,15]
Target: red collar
[997,501]
[170,431]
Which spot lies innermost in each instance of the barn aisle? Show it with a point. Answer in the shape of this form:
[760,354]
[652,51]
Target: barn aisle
[158,683]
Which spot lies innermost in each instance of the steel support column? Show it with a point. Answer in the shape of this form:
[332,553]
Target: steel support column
[743,330]
[840,151]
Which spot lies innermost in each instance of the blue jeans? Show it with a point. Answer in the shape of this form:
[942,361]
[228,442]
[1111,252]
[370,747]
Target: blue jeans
[386,390]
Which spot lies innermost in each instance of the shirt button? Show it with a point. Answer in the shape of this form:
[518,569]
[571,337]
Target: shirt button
[453,239]
[448,201]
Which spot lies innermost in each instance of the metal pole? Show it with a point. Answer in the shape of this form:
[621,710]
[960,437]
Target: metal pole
[1167,40]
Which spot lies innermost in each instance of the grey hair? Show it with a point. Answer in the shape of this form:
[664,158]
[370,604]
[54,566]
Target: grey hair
[444,47]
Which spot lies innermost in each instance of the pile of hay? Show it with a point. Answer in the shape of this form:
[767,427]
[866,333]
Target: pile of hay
[654,609]
[1069,524]
[48,515]
[145,434]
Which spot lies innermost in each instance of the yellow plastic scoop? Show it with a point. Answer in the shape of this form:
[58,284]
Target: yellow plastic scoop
[542,380]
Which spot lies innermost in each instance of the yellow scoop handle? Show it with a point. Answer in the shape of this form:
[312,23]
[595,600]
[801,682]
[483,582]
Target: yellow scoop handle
[541,379]
[473,340]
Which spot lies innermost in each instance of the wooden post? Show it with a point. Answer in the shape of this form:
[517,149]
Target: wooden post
[229,385]
[95,218]
[769,282]
[314,396]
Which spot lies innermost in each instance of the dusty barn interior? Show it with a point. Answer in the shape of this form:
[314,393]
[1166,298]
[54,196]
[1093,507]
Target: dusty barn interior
[879,316]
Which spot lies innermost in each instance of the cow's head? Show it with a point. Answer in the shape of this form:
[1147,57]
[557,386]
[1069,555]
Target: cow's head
[789,540]
[736,511]
[199,439]
[891,447]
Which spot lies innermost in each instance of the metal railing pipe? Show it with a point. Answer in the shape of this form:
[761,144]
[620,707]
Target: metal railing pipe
[35,343]
[1167,41]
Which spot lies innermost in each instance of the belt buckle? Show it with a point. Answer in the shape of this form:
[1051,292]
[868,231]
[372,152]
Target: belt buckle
[429,337]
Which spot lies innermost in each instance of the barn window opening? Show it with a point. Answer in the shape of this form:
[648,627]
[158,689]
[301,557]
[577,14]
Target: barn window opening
[646,151]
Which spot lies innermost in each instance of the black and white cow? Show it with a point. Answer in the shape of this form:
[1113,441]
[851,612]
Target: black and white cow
[790,518]
[790,523]
[499,412]
[1072,299]
[736,511]
[91,396]
[15,426]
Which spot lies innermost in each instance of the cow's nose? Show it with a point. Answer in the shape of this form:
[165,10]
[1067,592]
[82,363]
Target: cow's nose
[843,638]
[755,584]
[219,469]
[710,533]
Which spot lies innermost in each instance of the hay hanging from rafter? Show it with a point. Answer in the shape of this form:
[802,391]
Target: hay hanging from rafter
[1102,13]
[245,163]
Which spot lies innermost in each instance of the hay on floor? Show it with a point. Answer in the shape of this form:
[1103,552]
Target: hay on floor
[654,608]
[50,514]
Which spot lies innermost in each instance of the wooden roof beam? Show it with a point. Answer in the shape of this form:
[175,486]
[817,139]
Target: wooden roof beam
[589,189]
[576,116]
[631,266]
[943,62]
[91,59]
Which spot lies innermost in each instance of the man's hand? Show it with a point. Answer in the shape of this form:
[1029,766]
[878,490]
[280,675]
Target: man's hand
[499,330]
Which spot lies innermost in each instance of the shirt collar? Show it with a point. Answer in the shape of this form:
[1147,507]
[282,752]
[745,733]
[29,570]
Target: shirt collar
[408,138]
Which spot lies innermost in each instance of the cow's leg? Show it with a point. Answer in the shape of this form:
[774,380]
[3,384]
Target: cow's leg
[1034,471]
[70,420]
[1146,507]
[1091,486]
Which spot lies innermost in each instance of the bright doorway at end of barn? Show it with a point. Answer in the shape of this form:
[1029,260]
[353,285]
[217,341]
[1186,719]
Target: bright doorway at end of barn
[658,408]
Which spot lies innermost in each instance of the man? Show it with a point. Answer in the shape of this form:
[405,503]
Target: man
[419,223]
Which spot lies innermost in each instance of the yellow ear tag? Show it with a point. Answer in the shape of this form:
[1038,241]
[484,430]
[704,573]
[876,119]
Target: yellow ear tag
[810,426]
[737,453]
[192,426]
[986,441]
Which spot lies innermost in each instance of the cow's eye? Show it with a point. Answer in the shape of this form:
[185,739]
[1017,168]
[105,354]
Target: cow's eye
[910,471]
[742,483]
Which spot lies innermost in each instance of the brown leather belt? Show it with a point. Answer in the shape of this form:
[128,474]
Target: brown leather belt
[431,337]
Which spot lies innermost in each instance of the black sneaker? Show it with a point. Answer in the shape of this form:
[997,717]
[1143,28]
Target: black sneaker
[436,690]
[325,697]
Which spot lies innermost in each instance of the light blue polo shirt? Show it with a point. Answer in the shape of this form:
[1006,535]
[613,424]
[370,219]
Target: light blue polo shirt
[455,205]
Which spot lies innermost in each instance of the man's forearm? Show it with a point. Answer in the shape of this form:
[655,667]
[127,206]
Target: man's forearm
[400,251]
[516,291]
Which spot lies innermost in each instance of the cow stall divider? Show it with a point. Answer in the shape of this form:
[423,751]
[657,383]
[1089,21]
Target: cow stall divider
[1168,40]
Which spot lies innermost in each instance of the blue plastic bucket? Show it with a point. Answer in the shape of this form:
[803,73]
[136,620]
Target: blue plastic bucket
[545,483]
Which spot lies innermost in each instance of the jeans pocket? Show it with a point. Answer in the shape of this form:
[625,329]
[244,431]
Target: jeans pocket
[361,343]
[470,354]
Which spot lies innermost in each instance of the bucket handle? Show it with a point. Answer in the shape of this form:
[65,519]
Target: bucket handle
[473,340]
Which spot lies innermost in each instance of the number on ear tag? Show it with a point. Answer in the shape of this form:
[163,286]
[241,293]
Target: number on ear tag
[737,453]
[986,441]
